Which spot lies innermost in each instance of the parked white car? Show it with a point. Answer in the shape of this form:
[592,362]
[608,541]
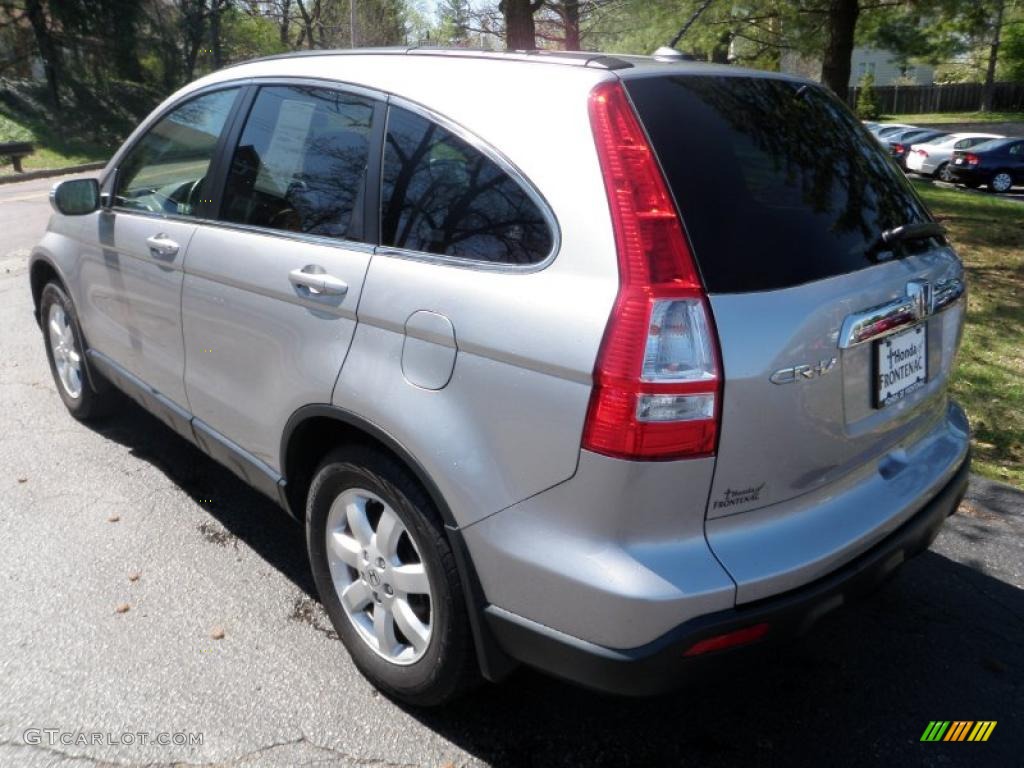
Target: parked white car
[932,157]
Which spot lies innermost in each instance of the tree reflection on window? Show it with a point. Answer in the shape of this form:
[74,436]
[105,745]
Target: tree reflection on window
[301,162]
[441,195]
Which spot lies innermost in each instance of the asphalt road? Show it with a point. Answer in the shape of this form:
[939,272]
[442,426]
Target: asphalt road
[82,509]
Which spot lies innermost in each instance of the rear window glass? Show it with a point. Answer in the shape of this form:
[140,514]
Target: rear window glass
[777,182]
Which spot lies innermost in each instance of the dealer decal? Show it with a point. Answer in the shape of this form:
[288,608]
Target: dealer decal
[734,498]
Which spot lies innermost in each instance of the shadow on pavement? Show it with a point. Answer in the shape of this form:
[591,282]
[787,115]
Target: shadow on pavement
[244,513]
[941,641]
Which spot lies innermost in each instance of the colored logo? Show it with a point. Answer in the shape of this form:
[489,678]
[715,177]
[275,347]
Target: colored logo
[958,730]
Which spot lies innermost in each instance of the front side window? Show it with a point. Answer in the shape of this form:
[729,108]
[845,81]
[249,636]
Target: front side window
[300,164]
[441,195]
[1017,149]
[165,172]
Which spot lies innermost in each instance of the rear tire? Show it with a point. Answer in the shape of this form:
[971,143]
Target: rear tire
[65,350]
[1000,182]
[410,639]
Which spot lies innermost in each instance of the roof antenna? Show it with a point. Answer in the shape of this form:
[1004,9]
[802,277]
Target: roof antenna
[669,52]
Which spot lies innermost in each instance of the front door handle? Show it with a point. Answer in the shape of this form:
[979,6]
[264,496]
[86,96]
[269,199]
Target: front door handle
[315,278]
[162,246]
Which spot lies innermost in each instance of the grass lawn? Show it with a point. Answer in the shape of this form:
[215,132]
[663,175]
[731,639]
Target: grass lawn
[956,117]
[48,153]
[989,380]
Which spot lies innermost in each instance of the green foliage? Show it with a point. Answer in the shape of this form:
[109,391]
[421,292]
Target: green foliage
[12,131]
[1011,55]
[867,101]
[246,36]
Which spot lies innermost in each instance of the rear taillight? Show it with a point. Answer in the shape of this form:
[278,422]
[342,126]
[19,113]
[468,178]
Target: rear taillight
[972,159]
[899,149]
[921,152]
[657,378]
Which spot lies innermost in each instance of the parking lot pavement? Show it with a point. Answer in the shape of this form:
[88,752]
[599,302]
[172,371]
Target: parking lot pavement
[82,510]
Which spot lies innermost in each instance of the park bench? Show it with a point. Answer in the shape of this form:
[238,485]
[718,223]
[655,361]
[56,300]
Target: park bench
[15,150]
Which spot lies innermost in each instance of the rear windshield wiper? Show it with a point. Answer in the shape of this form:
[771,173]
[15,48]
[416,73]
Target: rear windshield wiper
[921,230]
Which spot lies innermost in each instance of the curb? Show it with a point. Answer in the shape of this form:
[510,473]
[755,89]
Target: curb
[46,172]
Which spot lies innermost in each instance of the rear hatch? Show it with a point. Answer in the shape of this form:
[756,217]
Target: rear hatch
[784,196]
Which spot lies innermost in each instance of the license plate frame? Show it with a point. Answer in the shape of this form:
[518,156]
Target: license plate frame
[891,354]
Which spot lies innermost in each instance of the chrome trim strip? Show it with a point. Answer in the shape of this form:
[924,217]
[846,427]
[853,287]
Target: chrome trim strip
[302,237]
[947,292]
[899,314]
[508,167]
[878,322]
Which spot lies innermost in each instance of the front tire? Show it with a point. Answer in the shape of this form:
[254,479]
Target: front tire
[943,173]
[387,577]
[65,351]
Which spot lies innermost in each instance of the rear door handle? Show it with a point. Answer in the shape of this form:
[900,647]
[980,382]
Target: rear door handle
[315,278]
[162,246]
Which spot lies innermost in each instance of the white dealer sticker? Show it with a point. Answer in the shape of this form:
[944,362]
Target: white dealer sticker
[902,364]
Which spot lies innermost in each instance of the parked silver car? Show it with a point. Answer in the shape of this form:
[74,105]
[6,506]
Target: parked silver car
[592,363]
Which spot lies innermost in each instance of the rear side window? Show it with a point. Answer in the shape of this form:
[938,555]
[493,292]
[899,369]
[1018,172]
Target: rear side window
[777,183]
[300,164]
[441,195]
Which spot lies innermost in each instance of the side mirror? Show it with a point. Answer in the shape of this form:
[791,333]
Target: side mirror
[76,197]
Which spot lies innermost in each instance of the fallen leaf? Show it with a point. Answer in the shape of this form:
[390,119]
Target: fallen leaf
[218,633]
[134,576]
[113,518]
[22,479]
[122,608]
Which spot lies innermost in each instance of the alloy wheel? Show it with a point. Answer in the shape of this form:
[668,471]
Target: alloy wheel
[1002,182]
[379,577]
[945,174]
[67,357]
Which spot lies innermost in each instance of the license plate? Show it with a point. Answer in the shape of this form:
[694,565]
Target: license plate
[958,161]
[901,363]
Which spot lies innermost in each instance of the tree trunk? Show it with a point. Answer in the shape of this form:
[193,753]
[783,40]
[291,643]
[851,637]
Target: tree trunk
[286,7]
[570,12]
[48,51]
[520,33]
[123,20]
[215,43]
[989,88]
[842,23]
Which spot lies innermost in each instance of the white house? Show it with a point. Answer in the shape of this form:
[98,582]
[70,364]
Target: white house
[886,69]
[884,65]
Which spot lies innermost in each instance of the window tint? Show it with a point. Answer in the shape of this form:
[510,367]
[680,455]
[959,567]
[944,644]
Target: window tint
[776,181]
[165,172]
[1017,149]
[301,161]
[964,143]
[441,195]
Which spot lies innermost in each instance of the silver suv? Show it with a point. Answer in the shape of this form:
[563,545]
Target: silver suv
[606,365]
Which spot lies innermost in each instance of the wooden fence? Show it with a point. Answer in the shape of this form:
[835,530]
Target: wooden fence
[952,97]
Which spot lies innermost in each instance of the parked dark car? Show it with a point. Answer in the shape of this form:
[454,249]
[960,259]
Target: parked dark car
[899,142]
[998,163]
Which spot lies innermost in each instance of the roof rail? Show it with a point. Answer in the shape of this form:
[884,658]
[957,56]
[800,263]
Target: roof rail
[569,58]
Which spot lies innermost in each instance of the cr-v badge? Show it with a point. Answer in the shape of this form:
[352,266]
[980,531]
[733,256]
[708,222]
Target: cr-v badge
[801,372]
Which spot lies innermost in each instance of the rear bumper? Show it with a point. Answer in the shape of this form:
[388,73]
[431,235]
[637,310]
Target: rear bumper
[968,175]
[661,665]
